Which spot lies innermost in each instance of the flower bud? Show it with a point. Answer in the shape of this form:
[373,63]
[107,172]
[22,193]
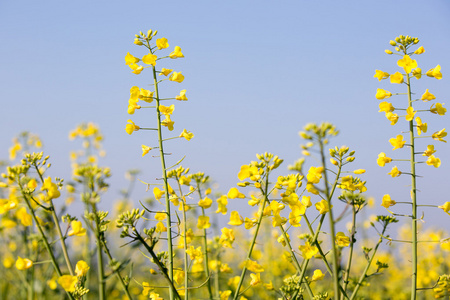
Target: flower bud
[388,52]
[333,161]
[138,42]
[149,33]
[392,43]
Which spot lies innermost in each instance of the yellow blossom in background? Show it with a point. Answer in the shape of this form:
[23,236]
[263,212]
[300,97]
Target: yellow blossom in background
[439,135]
[421,127]
[224,294]
[227,237]
[433,161]
[410,113]
[235,219]
[385,107]
[149,59]
[77,229]
[323,206]
[438,109]
[383,159]
[382,94]
[419,50]
[195,253]
[167,122]
[445,207]
[430,150]
[435,72]
[255,279]
[157,193]
[395,172]
[387,201]
[176,76]
[203,222]
[160,215]
[181,96]
[162,43]
[253,266]
[380,75]
[234,193]
[281,239]
[359,171]
[51,188]
[23,263]
[392,117]
[317,275]
[407,63]
[130,59]
[165,71]
[397,142]
[81,268]
[145,150]
[427,96]
[342,240]
[178,276]
[396,78]
[8,261]
[249,223]
[222,202]
[186,134]
[68,282]
[205,203]
[24,217]
[306,201]
[131,127]
[160,227]
[314,174]
[308,251]
[176,53]
[32,184]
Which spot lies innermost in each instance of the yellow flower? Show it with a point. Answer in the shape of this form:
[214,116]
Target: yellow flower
[136,68]
[342,240]
[13,150]
[52,189]
[81,268]
[380,75]
[167,110]
[435,72]
[359,171]
[249,223]
[167,122]
[323,206]
[32,184]
[24,217]
[195,253]
[410,113]
[256,279]
[317,275]
[396,78]
[397,142]
[182,96]
[227,237]
[282,240]
[222,202]
[382,94]
[387,201]
[438,109]
[308,251]
[434,161]
[445,207]
[253,266]
[395,172]
[203,222]
[430,150]
[146,95]
[176,53]
[157,193]
[420,50]
[306,201]
[392,117]
[407,63]
[417,73]
[162,43]
[314,174]
[160,227]
[131,127]
[178,276]
[132,106]
[145,150]
[130,59]
[234,193]
[149,59]
[439,135]
[23,263]
[77,229]
[235,219]
[68,282]
[186,134]
[165,71]
[421,127]
[176,76]
[224,295]
[386,107]
[205,203]
[427,96]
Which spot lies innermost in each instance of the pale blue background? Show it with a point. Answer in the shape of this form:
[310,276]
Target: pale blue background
[256,73]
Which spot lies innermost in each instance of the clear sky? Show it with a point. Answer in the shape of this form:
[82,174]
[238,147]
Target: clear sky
[256,73]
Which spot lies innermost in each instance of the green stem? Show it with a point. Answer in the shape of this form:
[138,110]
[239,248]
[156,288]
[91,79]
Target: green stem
[100,266]
[414,199]
[350,253]
[186,266]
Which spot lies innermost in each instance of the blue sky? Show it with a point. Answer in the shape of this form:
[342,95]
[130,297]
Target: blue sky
[256,73]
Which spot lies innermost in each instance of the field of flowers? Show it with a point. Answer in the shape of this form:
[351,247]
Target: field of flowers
[292,241]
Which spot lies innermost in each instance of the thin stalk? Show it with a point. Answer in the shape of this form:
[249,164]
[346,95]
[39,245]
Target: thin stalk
[205,245]
[100,266]
[250,250]
[350,253]
[414,199]
[172,290]
[332,229]
[186,266]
